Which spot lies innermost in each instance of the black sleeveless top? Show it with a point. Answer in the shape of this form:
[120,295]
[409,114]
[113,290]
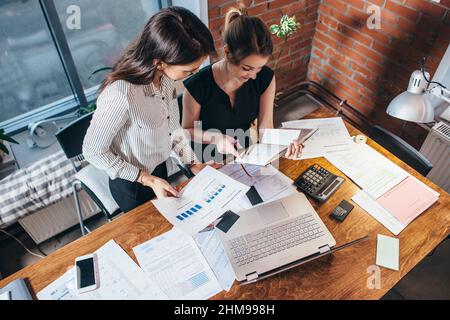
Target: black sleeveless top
[216,110]
[217,113]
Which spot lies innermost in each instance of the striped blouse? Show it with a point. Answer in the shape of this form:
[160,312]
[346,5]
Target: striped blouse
[136,127]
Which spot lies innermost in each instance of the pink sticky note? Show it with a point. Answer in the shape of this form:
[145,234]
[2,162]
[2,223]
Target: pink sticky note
[408,199]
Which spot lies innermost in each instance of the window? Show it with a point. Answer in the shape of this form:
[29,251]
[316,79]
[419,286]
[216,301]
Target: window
[48,54]
[32,73]
[106,28]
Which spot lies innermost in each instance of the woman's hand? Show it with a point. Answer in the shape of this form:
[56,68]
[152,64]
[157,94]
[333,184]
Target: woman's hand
[161,187]
[226,145]
[294,151]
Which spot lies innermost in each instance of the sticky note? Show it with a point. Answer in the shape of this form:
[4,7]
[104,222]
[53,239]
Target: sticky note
[387,252]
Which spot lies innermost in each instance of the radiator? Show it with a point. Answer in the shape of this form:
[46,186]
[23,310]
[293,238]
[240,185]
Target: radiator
[58,217]
[437,149]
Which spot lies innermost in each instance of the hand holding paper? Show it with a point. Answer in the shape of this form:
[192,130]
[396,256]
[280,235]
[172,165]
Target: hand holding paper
[207,196]
[274,142]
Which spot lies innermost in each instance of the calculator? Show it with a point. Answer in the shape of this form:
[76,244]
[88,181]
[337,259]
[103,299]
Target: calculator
[318,182]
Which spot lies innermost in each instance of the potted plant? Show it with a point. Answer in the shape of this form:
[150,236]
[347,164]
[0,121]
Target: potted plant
[287,27]
[3,149]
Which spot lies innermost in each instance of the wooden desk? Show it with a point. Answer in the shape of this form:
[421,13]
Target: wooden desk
[343,275]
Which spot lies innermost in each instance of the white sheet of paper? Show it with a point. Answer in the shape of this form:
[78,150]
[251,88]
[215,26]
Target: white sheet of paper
[207,196]
[270,183]
[372,207]
[176,264]
[261,154]
[369,169]
[212,249]
[119,278]
[282,137]
[5,295]
[62,288]
[331,137]
[387,252]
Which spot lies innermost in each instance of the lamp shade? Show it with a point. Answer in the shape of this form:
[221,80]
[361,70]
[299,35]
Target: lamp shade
[411,107]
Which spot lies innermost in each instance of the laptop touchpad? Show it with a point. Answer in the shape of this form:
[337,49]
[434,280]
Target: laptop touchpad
[271,213]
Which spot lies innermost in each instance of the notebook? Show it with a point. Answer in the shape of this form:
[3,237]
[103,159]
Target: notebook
[274,143]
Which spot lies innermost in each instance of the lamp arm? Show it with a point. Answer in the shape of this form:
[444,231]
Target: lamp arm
[441,93]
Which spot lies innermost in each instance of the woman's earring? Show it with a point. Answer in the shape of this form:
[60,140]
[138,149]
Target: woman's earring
[161,66]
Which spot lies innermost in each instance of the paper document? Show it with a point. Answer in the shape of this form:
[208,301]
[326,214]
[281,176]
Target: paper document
[206,197]
[62,288]
[119,279]
[176,264]
[261,154]
[5,295]
[270,183]
[408,199]
[282,137]
[372,207]
[387,252]
[331,137]
[369,169]
[212,249]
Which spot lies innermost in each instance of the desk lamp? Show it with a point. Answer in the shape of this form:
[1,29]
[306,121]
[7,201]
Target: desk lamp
[412,105]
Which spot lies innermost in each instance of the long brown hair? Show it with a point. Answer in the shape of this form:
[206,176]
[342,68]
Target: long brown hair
[173,35]
[245,35]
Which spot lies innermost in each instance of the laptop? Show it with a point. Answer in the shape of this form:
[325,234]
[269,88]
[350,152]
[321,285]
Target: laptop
[274,237]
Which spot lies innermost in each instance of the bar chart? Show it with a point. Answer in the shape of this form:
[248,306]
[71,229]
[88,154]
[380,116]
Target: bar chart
[207,198]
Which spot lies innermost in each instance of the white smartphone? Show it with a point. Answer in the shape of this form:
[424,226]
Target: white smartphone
[86,273]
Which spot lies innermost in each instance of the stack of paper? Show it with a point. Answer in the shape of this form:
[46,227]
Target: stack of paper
[387,252]
[261,154]
[207,196]
[369,169]
[408,199]
[273,143]
[174,262]
[331,137]
[270,183]
[389,194]
[119,279]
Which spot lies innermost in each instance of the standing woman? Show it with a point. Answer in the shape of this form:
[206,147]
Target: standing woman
[230,94]
[136,124]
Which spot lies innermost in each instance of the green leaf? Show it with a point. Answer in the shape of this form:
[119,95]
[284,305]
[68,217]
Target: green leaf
[99,70]
[281,34]
[9,139]
[274,28]
[87,109]
[3,148]
[5,137]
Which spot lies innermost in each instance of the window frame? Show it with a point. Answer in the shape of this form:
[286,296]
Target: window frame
[80,97]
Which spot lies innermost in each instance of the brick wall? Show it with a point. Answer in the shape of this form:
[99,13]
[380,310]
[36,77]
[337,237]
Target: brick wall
[334,47]
[293,64]
[370,67]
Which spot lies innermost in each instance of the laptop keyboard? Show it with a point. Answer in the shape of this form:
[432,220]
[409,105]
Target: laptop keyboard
[276,238]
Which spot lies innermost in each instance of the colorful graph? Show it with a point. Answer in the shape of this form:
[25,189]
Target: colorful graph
[208,198]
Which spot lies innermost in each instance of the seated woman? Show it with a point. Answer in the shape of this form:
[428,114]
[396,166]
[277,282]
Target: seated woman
[230,94]
[136,124]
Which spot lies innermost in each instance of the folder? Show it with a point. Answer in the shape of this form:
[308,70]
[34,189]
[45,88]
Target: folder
[408,199]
